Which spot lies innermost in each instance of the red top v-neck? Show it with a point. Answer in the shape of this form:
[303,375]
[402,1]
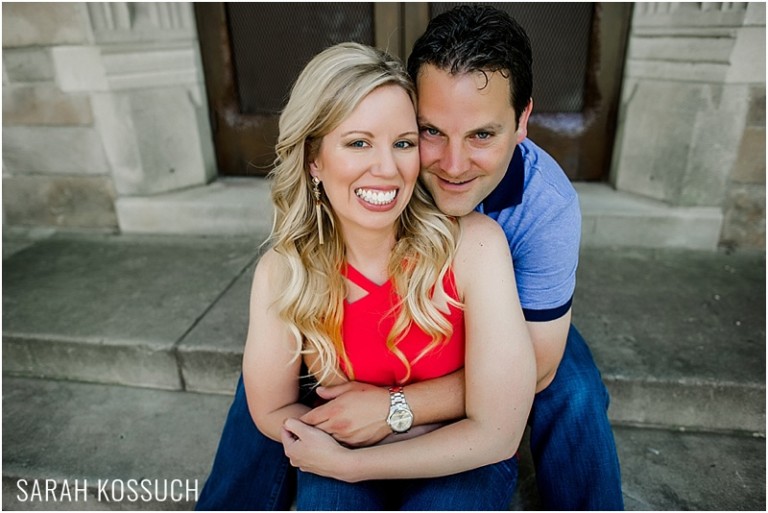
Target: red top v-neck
[367,323]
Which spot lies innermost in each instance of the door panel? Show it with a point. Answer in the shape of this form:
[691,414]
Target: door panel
[252,54]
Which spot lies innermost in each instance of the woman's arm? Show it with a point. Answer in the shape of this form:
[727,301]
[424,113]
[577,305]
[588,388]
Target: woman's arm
[270,371]
[500,375]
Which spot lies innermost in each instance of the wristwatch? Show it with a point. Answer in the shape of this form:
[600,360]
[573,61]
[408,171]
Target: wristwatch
[400,417]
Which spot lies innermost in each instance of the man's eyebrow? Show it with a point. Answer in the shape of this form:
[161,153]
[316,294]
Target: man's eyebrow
[491,127]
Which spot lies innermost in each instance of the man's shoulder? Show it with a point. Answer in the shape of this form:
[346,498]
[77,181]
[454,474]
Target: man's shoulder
[544,176]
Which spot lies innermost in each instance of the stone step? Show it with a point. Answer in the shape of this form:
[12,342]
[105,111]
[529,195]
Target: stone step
[240,206]
[679,334]
[233,206]
[89,435]
[100,437]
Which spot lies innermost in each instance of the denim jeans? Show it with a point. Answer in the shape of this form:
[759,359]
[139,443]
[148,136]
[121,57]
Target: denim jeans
[572,444]
[577,467]
[250,471]
[487,488]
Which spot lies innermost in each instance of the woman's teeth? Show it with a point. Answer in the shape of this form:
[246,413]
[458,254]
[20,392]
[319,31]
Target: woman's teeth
[376,197]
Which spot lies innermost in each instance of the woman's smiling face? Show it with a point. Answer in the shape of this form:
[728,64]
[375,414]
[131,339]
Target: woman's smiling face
[369,164]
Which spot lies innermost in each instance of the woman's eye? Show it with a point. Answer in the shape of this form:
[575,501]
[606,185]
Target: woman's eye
[358,144]
[404,144]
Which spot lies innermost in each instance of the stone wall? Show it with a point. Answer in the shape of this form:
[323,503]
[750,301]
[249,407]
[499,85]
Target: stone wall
[100,100]
[104,103]
[692,119]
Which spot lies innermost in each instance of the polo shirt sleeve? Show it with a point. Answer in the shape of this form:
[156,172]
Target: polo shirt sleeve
[546,254]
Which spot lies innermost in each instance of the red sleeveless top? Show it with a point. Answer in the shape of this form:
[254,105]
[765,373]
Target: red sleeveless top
[367,323]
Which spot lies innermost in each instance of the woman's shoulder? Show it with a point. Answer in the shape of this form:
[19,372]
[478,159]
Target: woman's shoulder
[480,230]
[267,269]
[268,261]
[482,247]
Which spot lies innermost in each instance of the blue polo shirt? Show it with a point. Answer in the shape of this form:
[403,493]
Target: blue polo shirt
[538,209]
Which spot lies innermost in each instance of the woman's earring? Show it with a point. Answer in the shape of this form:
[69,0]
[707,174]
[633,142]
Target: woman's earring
[318,206]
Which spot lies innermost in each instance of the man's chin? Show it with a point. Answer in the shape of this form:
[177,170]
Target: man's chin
[455,208]
[452,204]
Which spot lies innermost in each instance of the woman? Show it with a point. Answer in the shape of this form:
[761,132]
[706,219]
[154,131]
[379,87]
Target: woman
[367,280]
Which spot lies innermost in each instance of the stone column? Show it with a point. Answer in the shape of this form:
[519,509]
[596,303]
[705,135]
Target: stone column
[153,116]
[693,103]
[100,100]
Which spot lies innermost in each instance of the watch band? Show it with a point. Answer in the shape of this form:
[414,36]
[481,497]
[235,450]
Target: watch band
[397,398]
[400,418]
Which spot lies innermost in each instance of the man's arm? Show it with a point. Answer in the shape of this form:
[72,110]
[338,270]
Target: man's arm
[356,412]
[549,344]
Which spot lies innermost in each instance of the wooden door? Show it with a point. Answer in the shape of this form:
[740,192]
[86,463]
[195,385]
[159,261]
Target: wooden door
[252,53]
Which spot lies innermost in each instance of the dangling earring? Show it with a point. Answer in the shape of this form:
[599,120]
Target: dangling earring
[318,207]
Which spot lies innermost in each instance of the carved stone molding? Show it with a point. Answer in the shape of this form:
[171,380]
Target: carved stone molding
[662,8]
[141,22]
[690,14]
[696,42]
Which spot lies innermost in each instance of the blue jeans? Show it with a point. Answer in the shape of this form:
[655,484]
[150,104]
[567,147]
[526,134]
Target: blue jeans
[487,488]
[577,467]
[250,471]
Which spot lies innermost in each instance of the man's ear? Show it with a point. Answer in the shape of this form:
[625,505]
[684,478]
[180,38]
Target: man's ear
[522,124]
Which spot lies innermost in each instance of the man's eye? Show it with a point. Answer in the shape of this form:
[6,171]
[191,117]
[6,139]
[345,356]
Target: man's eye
[483,135]
[430,131]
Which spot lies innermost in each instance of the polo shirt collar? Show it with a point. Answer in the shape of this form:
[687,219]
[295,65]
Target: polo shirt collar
[509,192]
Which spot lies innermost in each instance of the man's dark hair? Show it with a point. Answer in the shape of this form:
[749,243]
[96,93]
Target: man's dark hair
[480,38]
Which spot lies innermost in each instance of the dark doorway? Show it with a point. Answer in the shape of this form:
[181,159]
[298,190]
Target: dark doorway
[252,53]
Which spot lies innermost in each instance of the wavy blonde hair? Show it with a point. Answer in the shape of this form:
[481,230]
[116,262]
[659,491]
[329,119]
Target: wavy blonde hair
[312,303]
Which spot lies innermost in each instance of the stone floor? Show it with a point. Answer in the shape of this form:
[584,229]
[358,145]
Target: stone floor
[120,352]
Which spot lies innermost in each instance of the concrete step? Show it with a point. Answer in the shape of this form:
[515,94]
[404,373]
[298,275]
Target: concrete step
[678,334]
[99,437]
[233,206]
[240,206]
[615,218]
[114,309]
[89,435]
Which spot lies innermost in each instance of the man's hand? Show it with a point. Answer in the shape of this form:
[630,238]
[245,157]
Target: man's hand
[355,415]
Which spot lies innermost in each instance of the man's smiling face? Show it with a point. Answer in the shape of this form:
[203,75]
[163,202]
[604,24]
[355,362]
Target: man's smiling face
[467,135]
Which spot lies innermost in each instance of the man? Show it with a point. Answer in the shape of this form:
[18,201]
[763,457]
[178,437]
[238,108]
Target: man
[472,69]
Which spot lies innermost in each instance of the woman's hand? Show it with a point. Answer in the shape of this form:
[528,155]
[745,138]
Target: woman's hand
[313,450]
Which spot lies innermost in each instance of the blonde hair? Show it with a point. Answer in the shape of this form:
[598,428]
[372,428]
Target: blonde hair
[326,92]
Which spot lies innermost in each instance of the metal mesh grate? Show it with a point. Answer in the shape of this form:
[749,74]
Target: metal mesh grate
[560,34]
[271,43]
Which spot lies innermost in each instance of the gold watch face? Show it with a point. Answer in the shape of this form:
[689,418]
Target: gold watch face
[401,420]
